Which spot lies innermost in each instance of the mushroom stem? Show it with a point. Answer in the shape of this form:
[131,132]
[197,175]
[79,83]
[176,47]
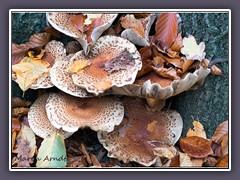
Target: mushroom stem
[155,104]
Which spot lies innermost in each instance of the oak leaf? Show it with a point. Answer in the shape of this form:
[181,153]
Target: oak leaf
[195,146]
[192,50]
[130,22]
[198,130]
[166,30]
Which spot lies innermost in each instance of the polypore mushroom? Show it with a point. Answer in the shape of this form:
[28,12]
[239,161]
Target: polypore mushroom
[38,120]
[140,132]
[132,35]
[70,113]
[112,61]
[63,23]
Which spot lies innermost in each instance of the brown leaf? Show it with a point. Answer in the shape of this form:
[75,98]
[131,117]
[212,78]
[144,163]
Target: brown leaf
[223,162]
[214,69]
[53,32]
[95,161]
[17,102]
[95,23]
[217,149]
[195,146]
[14,136]
[130,22]
[16,126]
[79,161]
[86,154]
[16,112]
[186,65]
[166,30]
[210,162]
[177,62]
[78,21]
[224,144]
[141,15]
[168,73]
[221,130]
[177,44]
[175,161]
[167,152]
[198,130]
[38,40]
[18,52]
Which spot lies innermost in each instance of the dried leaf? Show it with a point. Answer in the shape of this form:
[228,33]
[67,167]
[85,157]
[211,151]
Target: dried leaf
[223,162]
[52,152]
[17,112]
[175,161]
[86,154]
[146,55]
[38,40]
[168,73]
[195,146]
[198,130]
[177,62]
[130,22]
[224,144]
[177,44]
[192,50]
[167,152]
[221,130]
[166,30]
[186,65]
[79,161]
[78,66]
[14,136]
[78,21]
[95,161]
[18,52]
[17,102]
[217,149]
[214,69]
[16,125]
[185,160]
[197,162]
[28,70]
[103,85]
[91,17]
[210,162]
[95,23]
[53,32]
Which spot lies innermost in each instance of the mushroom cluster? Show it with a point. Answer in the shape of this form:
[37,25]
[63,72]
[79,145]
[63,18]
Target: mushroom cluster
[105,86]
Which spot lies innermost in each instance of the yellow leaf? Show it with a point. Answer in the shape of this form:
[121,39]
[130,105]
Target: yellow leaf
[78,66]
[28,70]
[198,130]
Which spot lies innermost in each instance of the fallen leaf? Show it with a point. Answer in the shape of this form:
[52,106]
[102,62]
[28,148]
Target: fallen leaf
[18,102]
[166,30]
[210,162]
[177,44]
[16,125]
[197,162]
[95,161]
[146,55]
[28,70]
[198,130]
[53,32]
[17,112]
[195,146]
[78,66]
[217,149]
[221,130]
[168,152]
[86,154]
[224,144]
[177,62]
[186,65]
[185,160]
[175,161]
[79,161]
[95,23]
[26,147]
[78,21]
[168,73]
[130,22]
[192,50]
[14,136]
[214,69]
[18,52]
[52,152]
[91,17]
[103,85]
[223,162]
[38,40]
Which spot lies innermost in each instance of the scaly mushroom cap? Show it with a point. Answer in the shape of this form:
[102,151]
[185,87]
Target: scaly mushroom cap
[38,120]
[156,87]
[63,80]
[53,49]
[62,22]
[114,62]
[70,113]
[141,132]
[134,37]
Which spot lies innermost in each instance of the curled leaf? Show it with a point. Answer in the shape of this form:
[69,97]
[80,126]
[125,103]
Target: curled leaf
[18,52]
[38,40]
[198,130]
[195,146]
[169,73]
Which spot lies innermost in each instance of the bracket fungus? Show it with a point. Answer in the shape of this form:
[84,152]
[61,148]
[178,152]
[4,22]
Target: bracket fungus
[140,132]
[132,28]
[112,61]
[71,113]
[83,28]
[38,120]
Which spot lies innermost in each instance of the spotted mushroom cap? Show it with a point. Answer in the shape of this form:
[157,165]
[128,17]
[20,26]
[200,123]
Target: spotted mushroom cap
[62,22]
[63,80]
[140,132]
[134,37]
[38,120]
[114,61]
[70,113]
[156,87]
